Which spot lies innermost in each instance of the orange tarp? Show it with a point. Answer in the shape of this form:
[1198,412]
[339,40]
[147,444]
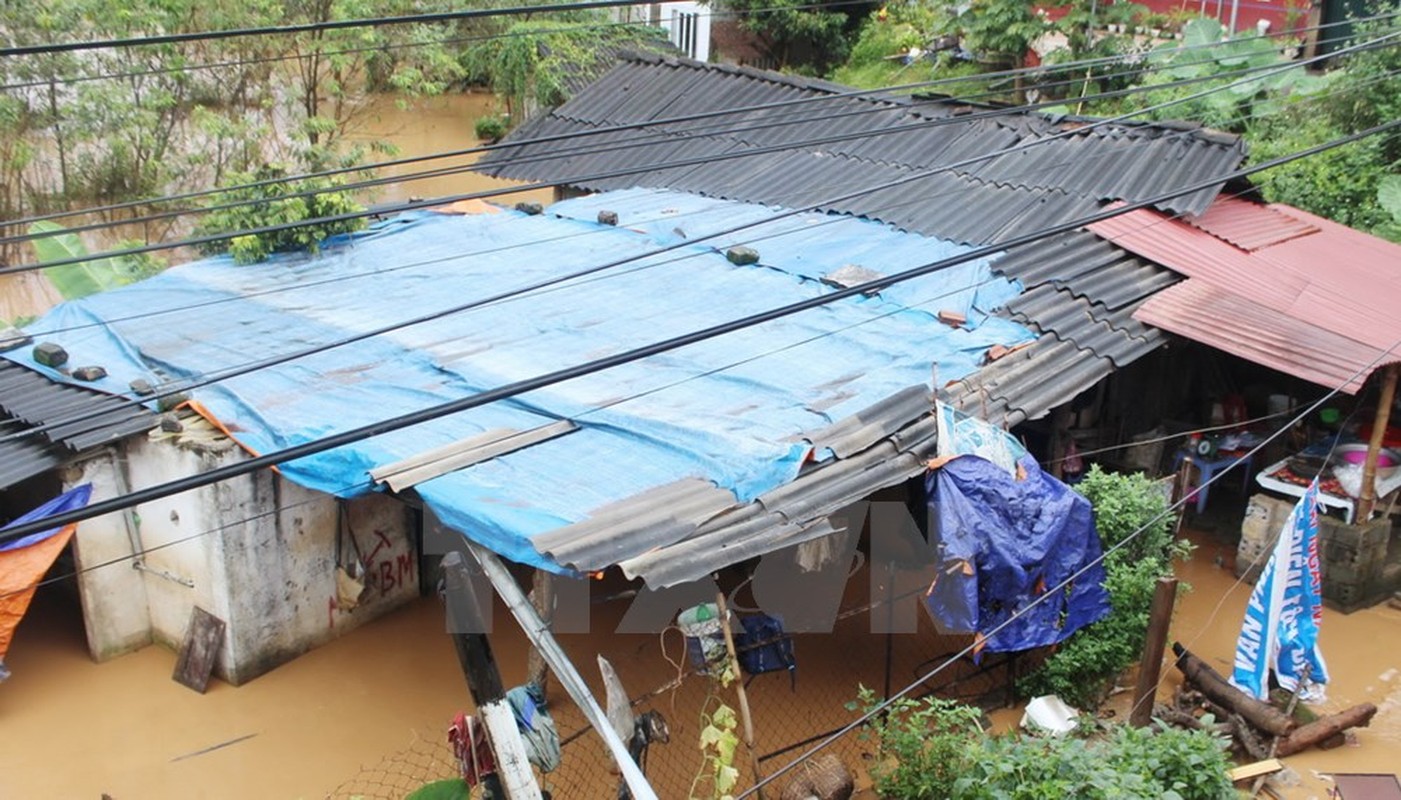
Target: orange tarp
[21,570]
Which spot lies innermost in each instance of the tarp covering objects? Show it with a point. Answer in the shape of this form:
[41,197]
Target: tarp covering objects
[24,561]
[1002,543]
[731,410]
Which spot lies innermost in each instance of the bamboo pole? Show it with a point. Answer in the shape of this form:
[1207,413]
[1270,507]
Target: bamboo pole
[745,718]
[1150,669]
[1368,498]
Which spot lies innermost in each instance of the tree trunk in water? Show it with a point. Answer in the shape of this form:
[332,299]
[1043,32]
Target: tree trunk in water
[1262,715]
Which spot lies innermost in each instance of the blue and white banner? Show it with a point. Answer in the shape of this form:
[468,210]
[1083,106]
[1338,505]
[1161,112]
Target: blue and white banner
[1280,631]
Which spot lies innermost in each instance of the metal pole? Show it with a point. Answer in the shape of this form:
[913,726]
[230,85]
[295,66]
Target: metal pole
[1159,618]
[465,621]
[563,668]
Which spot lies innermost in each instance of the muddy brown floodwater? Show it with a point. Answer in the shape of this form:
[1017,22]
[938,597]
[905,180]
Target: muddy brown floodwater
[75,729]
[426,126]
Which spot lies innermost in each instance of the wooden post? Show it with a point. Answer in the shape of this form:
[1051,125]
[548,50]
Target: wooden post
[1368,498]
[744,716]
[1159,619]
[465,621]
[542,597]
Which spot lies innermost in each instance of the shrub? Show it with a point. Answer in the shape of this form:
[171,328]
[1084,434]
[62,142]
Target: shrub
[490,129]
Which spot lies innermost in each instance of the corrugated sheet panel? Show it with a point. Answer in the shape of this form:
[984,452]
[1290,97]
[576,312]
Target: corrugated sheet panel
[1248,226]
[71,419]
[1204,313]
[1117,162]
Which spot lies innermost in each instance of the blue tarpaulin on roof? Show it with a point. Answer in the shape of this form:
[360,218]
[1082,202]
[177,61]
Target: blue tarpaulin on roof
[732,410]
[1001,543]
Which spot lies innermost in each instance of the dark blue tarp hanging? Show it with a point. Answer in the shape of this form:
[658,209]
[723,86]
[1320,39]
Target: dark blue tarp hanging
[1003,542]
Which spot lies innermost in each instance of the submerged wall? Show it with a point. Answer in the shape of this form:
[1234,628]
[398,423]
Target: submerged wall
[257,551]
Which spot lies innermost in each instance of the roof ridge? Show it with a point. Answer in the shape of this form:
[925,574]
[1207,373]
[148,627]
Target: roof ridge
[769,76]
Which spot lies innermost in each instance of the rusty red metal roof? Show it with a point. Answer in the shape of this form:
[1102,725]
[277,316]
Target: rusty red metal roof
[1248,226]
[1321,304]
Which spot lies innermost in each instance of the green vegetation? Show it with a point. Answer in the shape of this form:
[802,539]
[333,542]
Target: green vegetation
[533,63]
[800,36]
[316,199]
[935,748]
[88,277]
[1083,668]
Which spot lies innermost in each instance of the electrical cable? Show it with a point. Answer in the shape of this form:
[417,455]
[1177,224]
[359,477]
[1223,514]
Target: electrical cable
[1053,591]
[228,373]
[647,136]
[522,386]
[380,48]
[412,205]
[855,93]
[328,25]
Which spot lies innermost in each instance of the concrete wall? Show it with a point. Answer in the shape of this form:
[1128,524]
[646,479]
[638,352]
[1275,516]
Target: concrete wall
[258,552]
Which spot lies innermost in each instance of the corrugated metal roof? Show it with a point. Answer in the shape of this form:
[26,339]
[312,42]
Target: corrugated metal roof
[79,418]
[1119,161]
[1249,227]
[1330,294]
[1199,311]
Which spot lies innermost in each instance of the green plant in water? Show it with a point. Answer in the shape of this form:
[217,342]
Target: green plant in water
[924,744]
[87,277]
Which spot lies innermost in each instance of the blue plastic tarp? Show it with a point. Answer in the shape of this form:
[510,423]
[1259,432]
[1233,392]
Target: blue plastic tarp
[732,410]
[1002,543]
[71,500]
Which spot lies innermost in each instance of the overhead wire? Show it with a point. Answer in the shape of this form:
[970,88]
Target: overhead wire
[573,278]
[181,387]
[855,93]
[390,46]
[418,204]
[359,485]
[324,25]
[646,136]
[1016,615]
[522,386]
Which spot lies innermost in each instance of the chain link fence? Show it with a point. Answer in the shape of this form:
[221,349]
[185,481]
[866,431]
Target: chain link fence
[790,712]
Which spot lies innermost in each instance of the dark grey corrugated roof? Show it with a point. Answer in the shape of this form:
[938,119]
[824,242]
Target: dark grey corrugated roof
[1113,162]
[29,400]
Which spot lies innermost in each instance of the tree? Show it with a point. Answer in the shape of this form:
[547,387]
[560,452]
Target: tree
[275,205]
[797,34]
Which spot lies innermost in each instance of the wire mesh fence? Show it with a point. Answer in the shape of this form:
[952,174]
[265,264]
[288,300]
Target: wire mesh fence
[790,712]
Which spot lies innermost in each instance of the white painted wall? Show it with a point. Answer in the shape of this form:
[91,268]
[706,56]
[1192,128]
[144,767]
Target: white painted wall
[688,26]
[260,552]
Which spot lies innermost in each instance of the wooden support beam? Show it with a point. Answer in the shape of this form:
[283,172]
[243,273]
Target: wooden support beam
[745,717]
[1150,669]
[1260,714]
[465,621]
[1368,498]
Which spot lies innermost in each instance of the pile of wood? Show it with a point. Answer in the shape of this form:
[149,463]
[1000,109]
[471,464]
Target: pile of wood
[1259,730]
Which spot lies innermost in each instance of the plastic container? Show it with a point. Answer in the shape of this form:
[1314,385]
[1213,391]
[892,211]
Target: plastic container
[705,638]
[1050,714]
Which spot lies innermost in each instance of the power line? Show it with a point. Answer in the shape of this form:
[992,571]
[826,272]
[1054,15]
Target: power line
[518,387]
[855,93]
[614,146]
[1052,592]
[328,25]
[418,204]
[227,374]
[407,45]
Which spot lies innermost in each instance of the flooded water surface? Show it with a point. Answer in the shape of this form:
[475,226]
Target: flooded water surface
[365,714]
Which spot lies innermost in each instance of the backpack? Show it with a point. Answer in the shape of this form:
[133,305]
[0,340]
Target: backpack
[764,646]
